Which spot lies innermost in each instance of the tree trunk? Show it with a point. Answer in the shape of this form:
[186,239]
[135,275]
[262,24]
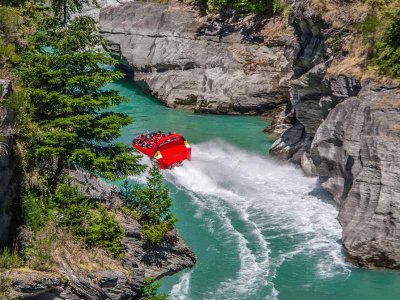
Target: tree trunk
[65,13]
[57,174]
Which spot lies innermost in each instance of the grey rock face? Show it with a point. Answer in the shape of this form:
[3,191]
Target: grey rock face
[8,172]
[313,93]
[206,66]
[356,154]
[349,138]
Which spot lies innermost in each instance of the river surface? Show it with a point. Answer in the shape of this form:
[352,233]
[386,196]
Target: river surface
[259,228]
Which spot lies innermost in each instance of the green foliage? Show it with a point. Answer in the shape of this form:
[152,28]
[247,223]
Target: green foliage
[63,8]
[9,24]
[2,144]
[152,200]
[150,205]
[150,291]
[388,54]
[155,233]
[35,211]
[86,219]
[10,259]
[39,247]
[64,75]
[67,208]
[104,231]
[131,212]
[5,286]
[244,6]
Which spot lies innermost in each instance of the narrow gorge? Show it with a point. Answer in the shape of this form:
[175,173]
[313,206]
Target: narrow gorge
[253,66]
[293,189]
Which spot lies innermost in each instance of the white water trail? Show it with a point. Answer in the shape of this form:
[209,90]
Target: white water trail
[273,201]
[180,290]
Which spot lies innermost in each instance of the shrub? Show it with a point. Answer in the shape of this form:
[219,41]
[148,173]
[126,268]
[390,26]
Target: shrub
[131,212]
[244,6]
[39,248]
[35,212]
[150,291]
[154,234]
[86,219]
[10,259]
[388,57]
[5,286]
[104,231]
[152,200]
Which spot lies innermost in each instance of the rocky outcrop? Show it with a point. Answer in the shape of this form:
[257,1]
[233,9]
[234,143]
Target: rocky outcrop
[211,65]
[8,171]
[108,279]
[355,153]
[164,259]
[346,132]
[312,93]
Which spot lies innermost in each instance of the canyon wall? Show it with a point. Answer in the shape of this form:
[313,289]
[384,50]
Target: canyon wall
[336,125]
[345,131]
[208,65]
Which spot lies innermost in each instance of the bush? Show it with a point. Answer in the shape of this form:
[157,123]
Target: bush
[38,251]
[150,291]
[154,234]
[388,54]
[152,200]
[5,286]
[86,219]
[10,259]
[244,6]
[35,212]
[104,231]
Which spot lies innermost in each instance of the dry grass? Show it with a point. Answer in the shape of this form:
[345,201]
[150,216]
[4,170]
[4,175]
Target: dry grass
[276,28]
[388,102]
[55,249]
[348,17]
[339,13]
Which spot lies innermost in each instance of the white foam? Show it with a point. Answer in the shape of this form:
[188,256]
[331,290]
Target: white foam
[266,196]
[180,290]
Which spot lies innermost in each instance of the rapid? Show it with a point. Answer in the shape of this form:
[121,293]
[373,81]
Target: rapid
[260,228]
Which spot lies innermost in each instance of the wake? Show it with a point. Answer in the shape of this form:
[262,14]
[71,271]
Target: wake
[274,201]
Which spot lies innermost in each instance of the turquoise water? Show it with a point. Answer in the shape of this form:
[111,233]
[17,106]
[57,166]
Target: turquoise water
[259,228]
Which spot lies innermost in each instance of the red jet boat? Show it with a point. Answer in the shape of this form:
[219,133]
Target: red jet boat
[167,150]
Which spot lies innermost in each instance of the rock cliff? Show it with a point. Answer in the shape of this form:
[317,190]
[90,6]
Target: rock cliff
[355,154]
[209,65]
[344,130]
[338,125]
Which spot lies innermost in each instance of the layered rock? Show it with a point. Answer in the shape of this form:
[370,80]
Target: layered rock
[355,153]
[312,92]
[345,131]
[104,278]
[214,65]
[8,171]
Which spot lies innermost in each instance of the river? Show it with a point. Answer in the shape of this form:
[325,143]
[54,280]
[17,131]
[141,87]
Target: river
[259,228]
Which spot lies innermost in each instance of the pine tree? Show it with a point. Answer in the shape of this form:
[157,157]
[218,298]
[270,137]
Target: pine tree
[63,8]
[64,74]
[153,200]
